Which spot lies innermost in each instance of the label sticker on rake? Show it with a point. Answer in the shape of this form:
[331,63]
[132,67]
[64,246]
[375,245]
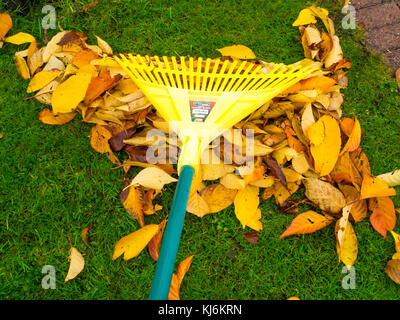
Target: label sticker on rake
[200,110]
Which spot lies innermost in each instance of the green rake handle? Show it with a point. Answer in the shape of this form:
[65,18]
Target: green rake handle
[172,235]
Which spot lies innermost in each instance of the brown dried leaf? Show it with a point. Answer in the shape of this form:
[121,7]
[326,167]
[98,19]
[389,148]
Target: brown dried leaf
[324,195]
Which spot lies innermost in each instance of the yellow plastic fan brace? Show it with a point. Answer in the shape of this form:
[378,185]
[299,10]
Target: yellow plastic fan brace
[201,98]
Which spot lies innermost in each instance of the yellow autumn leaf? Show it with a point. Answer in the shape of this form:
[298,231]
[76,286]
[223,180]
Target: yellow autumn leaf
[77,262]
[41,79]
[152,178]
[232,181]
[246,204]
[396,238]
[22,67]
[132,244]
[305,17]
[218,197]
[323,15]
[348,249]
[213,171]
[68,94]
[325,144]
[237,52]
[20,38]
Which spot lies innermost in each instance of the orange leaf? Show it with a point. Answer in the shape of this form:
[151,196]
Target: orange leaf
[383,217]
[155,243]
[5,24]
[134,203]
[47,117]
[84,57]
[353,142]
[347,125]
[307,222]
[293,142]
[148,202]
[99,137]
[360,161]
[178,277]
[257,172]
[84,234]
[374,187]
[322,83]
[345,170]
[100,84]
[359,208]
[33,47]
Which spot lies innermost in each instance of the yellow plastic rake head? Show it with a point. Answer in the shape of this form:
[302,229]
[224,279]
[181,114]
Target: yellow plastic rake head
[205,97]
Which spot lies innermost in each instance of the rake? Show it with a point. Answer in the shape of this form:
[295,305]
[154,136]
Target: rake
[203,98]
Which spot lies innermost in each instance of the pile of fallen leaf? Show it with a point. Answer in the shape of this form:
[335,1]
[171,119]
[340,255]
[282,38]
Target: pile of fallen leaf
[300,139]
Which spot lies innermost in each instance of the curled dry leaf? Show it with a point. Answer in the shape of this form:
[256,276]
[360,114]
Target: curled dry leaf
[396,238]
[134,204]
[155,243]
[391,178]
[77,263]
[178,277]
[353,142]
[149,208]
[131,245]
[307,222]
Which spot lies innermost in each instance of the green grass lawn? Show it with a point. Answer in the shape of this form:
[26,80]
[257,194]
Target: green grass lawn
[53,184]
